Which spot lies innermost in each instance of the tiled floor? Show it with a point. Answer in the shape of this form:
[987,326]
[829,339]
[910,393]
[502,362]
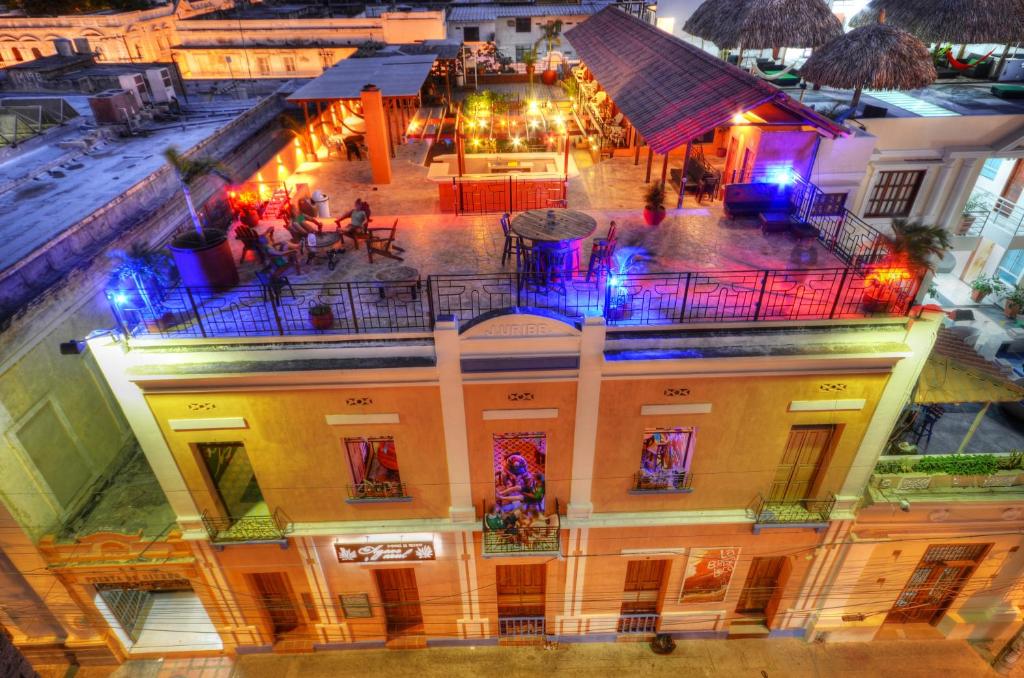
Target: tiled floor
[998,432]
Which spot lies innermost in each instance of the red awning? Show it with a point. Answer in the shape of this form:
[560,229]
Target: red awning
[670,90]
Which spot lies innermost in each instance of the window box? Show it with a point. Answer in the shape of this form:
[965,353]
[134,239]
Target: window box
[371,491]
[661,482]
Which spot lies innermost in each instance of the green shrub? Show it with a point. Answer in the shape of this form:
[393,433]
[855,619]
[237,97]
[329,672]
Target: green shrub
[1014,461]
[958,465]
[892,467]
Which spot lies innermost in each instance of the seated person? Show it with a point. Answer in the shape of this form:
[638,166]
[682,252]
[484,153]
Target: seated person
[359,221]
[301,225]
[279,255]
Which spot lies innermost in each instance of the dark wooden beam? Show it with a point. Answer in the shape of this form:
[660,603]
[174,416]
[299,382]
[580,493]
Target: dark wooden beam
[682,177]
[650,161]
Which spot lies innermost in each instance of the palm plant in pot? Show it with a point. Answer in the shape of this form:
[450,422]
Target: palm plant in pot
[984,285]
[321,316]
[654,204]
[912,250]
[550,38]
[203,255]
[1013,302]
[139,282]
[530,61]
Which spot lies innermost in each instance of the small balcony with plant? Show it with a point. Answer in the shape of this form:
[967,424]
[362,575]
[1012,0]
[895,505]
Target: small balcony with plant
[963,476]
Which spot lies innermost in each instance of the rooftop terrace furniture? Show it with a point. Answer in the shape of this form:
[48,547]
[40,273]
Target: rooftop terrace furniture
[382,242]
[512,241]
[250,240]
[748,200]
[1008,91]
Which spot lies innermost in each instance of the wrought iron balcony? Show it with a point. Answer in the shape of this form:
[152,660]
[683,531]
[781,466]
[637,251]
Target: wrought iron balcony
[514,540]
[370,491]
[247,529]
[521,628]
[814,513]
[637,623]
[661,482]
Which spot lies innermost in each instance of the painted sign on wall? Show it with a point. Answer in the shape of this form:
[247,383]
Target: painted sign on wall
[707,576]
[385,553]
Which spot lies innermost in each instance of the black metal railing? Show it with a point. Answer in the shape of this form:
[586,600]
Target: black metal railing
[661,481]
[510,539]
[793,512]
[521,628]
[257,528]
[371,490]
[637,623]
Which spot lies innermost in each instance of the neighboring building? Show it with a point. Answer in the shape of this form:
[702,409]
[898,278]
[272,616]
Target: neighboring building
[142,35]
[515,29]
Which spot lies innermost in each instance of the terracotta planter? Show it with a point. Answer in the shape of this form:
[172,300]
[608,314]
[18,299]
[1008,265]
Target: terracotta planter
[549,76]
[1011,310]
[530,70]
[978,295]
[874,303]
[210,265]
[654,216]
[322,321]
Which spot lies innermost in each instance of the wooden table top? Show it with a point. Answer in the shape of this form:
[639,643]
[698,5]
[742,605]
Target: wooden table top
[566,225]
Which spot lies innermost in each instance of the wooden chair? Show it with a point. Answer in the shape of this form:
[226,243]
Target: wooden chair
[512,241]
[272,286]
[601,252]
[384,245]
[250,240]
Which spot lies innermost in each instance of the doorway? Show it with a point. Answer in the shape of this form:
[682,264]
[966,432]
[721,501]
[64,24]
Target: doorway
[936,582]
[138,614]
[521,600]
[401,601]
[763,587]
[797,476]
[232,479]
[1012,190]
[275,597]
[641,596]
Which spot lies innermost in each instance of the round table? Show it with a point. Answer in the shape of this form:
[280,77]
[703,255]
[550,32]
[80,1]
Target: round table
[566,225]
[399,274]
[325,242]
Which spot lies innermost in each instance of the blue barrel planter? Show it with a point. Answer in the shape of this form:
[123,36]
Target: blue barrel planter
[205,264]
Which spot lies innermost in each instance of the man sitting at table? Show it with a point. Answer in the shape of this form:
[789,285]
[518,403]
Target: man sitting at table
[301,225]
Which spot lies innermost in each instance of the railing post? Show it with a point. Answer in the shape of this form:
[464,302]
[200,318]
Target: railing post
[195,311]
[839,293]
[277,316]
[686,297]
[352,307]
[760,298]
[430,302]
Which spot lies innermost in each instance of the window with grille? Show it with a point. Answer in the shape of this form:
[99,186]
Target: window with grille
[894,194]
[665,458]
[471,34]
[524,24]
[374,463]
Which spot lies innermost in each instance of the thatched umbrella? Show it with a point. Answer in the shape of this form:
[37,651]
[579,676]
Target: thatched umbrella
[764,24]
[960,22]
[878,56]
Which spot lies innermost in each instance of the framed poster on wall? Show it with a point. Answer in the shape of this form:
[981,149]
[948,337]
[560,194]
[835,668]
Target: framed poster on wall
[707,575]
[356,605]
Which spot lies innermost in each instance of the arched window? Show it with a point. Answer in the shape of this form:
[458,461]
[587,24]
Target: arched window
[17,54]
[36,53]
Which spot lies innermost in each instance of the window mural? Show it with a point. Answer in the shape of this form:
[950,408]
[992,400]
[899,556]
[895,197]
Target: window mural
[519,472]
[707,575]
[373,460]
[665,457]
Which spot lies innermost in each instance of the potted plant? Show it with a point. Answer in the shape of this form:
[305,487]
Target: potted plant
[1013,302]
[654,204]
[977,204]
[530,61]
[139,280]
[912,250]
[985,285]
[321,316]
[203,255]
[550,37]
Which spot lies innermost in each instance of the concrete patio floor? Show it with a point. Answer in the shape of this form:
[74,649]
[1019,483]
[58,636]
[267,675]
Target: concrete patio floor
[775,658]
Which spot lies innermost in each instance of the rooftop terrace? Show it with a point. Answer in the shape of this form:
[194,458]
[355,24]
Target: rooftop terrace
[697,266]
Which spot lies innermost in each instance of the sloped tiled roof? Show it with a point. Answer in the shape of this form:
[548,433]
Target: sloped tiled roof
[670,90]
[955,373]
[493,12]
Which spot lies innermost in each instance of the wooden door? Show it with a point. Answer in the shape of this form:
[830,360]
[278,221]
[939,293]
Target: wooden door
[936,582]
[401,600]
[275,596]
[521,590]
[642,590]
[775,602]
[797,475]
[761,583]
[1014,185]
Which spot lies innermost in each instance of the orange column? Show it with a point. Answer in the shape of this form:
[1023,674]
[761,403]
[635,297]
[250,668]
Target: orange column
[376,134]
